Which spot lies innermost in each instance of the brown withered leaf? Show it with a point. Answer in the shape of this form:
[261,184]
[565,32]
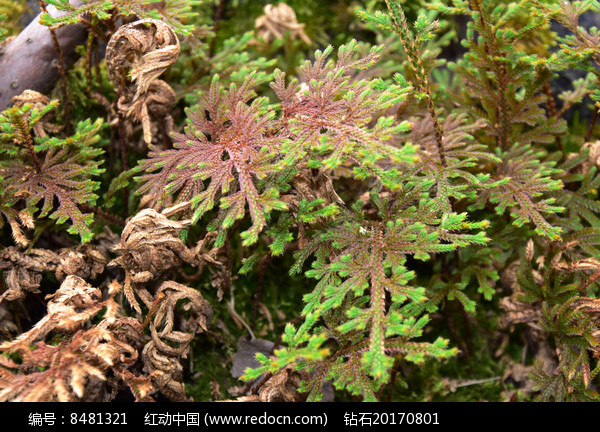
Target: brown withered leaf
[141,386]
[85,261]
[17,222]
[143,50]
[162,355]
[591,306]
[520,374]
[215,389]
[23,271]
[584,265]
[7,325]
[222,263]
[516,312]
[593,158]
[76,368]
[72,305]
[150,247]
[278,20]
[280,387]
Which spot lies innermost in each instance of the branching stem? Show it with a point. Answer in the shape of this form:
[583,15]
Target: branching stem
[24,137]
[401,29]
[104,214]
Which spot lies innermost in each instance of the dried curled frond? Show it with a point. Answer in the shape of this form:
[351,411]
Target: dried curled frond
[280,387]
[145,48]
[23,272]
[278,20]
[86,261]
[140,52]
[77,369]
[84,360]
[162,354]
[516,312]
[150,246]
[594,156]
[156,103]
[24,269]
[69,308]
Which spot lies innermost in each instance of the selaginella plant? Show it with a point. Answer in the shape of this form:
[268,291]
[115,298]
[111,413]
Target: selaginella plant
[398,201]
[499,161]
[52,168]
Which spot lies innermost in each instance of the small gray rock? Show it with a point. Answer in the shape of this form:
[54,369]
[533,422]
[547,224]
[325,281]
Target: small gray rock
[245,356]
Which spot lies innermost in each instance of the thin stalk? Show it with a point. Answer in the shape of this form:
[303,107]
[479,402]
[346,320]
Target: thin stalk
[553,112]
[218,15]
[104,214]
[24,137]
[422,82]
[592,125]
[61,71]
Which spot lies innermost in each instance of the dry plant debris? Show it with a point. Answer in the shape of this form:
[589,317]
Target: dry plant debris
[278,20]
[279,387]
[136,55]
[75,364]
[24,269]
[162,355]
[150,247]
